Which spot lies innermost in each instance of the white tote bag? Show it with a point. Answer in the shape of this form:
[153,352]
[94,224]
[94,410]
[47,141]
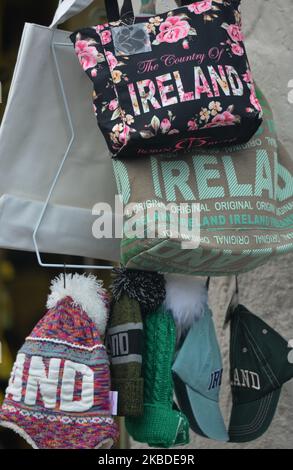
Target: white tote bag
[34,137]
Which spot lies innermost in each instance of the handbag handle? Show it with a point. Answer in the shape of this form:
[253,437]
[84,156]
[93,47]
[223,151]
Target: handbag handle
[113,13]
[67,9]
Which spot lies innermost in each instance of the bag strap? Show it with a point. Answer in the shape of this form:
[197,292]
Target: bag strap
[67,9]
[113,13]
[208,283]
[233,304]
[112,10]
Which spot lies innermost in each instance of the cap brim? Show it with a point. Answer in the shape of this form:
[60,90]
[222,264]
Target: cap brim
[205,414]
[184,404]
[250,420]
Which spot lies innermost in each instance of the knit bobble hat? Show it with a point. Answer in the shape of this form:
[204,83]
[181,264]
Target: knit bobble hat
[146,287]
[58,395]
[125,346]
[160,425]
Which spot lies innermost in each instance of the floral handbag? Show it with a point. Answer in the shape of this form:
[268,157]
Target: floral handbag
[172,82]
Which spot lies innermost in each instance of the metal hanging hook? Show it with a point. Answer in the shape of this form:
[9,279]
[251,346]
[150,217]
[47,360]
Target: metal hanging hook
[56,178]
[64,276]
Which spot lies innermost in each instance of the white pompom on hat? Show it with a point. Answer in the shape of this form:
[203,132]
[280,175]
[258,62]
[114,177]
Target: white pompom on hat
[86,292]
[186,299]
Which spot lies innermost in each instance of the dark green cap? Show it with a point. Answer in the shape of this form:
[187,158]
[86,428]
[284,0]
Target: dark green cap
[259,361]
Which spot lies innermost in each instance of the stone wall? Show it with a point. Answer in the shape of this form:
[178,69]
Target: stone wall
[266,291]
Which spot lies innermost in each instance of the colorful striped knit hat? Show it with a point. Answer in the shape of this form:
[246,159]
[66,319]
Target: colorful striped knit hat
[59,391]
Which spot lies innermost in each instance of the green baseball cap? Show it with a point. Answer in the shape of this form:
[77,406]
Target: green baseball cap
[197,374]
[259,366]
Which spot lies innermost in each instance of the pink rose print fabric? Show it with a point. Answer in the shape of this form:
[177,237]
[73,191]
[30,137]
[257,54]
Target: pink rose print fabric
[111,59]
[88,55]
[235,32]
[173,29]
[191,87]
[106,37]
[200,7]
[237,49]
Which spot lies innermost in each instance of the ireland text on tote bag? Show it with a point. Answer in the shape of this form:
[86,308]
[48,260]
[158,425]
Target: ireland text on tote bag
[241,197]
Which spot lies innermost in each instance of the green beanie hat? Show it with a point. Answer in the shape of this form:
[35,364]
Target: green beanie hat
[160,425]
[125,344]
